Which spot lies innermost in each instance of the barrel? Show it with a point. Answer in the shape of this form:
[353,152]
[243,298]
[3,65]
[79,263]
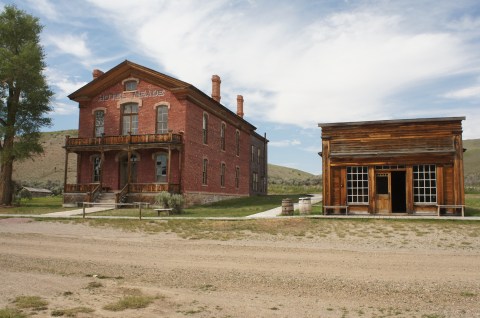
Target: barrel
[287,207]
[305,205]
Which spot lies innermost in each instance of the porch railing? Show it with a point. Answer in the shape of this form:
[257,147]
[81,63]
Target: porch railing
[81,188]
[127,139]
[122,195]
[154,187]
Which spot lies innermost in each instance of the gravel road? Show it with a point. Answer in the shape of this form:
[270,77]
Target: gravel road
[259,275]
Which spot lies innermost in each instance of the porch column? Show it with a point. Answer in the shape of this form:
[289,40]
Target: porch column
[102,159]
[66,165]
[169,179]
[129,166]
[180,171]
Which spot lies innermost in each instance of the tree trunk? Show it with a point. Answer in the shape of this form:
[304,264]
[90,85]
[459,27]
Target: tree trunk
[6,189]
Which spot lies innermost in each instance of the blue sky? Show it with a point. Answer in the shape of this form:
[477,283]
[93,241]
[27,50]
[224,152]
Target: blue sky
[297,63]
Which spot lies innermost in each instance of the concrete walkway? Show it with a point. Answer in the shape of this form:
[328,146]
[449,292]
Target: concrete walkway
[315,198]
[78,211]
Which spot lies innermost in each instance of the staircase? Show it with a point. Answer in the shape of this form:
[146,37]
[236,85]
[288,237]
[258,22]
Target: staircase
[106,199]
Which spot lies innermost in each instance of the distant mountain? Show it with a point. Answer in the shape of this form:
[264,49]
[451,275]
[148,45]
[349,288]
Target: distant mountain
[50,166]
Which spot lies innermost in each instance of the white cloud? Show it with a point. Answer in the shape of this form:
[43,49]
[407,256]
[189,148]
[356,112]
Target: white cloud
[60,108]
[284,143]
[338,67]
[64,83]
[468,92]
[75,45]
[45,7]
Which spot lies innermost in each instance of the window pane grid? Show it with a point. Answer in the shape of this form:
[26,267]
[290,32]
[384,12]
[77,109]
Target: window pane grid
[162,120]
[424,184]
[357,184]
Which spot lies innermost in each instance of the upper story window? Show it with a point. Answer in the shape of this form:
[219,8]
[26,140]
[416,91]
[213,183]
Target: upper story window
[162,119]
[130,119]
[237,142]
[222,136]
[253,153]
[130,85]
[259,155]
[205,128]
[99,123]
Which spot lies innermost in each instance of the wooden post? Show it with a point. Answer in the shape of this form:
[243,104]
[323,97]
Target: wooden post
[129,166]
[83,210]
[140,209]
[169,179]
[66,165]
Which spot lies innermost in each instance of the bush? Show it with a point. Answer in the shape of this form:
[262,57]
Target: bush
[175,202]
[162,198]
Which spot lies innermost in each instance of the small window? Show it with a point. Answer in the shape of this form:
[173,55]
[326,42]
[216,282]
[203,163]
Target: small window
[205,129]
[222,137]
[131,85]
[237,177]
[99,123]
[255,181]
[237,142]
[162,119]
[204,175]
[259,153]
[253,153]
[222,175]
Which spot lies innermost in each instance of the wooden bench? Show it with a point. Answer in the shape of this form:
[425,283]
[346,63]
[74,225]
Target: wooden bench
[167,210]
[450,206]
[326,207]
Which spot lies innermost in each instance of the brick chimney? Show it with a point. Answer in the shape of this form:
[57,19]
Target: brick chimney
[96,73]
[216,87]
[240,105]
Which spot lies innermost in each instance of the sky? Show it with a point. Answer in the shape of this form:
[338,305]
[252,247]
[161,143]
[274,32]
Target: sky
[296,63]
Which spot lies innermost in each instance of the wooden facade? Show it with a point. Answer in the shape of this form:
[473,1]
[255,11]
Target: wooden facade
[393,167]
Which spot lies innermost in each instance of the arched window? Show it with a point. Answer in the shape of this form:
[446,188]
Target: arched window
[161,165]
[130,119]
[99,123]
[162,119]
[222,136]
[205,128]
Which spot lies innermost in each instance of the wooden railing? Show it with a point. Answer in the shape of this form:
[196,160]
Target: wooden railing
[121,196]
[93,195]
[127,139]
[80,188]
[154,187]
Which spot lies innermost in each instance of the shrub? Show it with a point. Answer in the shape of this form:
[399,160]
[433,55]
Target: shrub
[162,198]
[175,202]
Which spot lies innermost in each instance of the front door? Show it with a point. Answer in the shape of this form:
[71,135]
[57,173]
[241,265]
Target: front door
[382,196]
[124,170]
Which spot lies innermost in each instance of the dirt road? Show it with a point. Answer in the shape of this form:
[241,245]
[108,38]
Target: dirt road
[261,275]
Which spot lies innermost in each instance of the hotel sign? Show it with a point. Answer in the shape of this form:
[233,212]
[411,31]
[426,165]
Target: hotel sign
[137,94]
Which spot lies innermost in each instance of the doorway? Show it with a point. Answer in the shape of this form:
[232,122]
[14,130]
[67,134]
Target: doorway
[124,170]
[391,193]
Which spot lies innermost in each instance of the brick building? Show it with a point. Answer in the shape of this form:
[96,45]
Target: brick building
[141,132]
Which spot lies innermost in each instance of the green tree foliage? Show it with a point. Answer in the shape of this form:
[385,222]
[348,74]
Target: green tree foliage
[24,93]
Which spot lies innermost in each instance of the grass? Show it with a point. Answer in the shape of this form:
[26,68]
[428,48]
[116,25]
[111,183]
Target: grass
[36,206]
[30,302]
[71,312]
[11,313]
[130,302]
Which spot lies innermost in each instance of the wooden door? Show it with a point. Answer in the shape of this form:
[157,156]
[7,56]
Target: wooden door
[383,191]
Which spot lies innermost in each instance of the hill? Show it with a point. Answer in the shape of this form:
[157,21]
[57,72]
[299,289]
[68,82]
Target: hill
[471,160]
[49,167]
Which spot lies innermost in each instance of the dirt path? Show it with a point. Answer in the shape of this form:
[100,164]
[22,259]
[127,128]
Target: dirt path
[262,276]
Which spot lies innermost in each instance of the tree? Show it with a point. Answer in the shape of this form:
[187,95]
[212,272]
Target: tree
[24,93]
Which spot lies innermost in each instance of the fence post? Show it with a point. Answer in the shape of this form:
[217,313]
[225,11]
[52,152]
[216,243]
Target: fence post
[83,209]
[140,210]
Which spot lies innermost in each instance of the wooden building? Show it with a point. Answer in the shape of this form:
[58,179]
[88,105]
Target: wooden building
[409,166]
[141,132]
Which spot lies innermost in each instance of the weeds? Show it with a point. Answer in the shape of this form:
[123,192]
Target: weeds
[130,302]
[11,313]
[30,302]
[71,312]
